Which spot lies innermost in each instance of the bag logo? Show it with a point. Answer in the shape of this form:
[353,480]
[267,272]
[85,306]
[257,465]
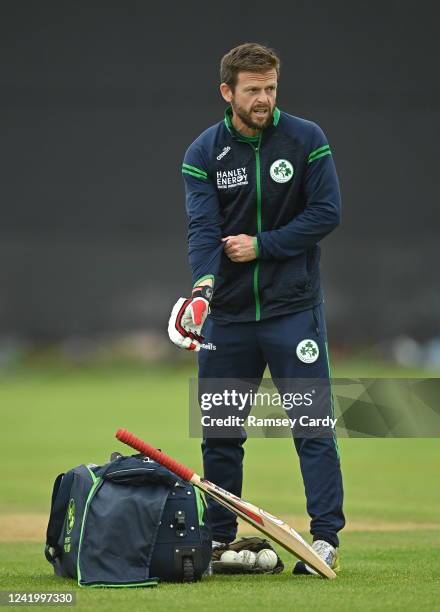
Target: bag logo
[307,351]
[281,171]
[70,515]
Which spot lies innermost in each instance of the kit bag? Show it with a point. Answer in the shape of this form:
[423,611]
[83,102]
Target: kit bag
[128,523]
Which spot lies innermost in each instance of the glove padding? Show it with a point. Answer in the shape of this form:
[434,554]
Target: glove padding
[253,543]
[186,322]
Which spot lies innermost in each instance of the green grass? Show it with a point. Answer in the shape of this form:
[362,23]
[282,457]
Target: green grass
[54,418]
[380,572]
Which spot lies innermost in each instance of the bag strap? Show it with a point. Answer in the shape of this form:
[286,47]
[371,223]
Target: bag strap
[58,509]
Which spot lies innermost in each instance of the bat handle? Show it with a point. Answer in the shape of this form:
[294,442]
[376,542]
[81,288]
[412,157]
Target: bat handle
[146,449]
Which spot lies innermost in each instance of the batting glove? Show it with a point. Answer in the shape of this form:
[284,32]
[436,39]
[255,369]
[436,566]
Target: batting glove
[187,319]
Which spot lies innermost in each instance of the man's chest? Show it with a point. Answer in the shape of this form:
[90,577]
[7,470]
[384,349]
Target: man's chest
[247,173]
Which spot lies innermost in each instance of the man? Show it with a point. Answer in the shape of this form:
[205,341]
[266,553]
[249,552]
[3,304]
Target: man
[261,193]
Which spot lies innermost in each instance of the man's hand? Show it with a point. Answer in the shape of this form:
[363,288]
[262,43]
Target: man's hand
[187,318]
[240,248]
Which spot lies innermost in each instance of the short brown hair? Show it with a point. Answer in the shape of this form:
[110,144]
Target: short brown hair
[249,57]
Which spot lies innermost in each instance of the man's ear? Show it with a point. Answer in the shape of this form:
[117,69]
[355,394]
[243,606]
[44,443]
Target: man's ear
[226,92]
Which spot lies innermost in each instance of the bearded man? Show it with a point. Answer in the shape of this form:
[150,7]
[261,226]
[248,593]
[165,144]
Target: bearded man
[261,193]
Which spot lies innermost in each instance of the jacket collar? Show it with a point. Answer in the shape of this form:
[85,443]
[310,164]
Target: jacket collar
[233,131]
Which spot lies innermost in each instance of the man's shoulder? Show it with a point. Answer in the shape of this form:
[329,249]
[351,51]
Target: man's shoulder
[206,141]
[299,127]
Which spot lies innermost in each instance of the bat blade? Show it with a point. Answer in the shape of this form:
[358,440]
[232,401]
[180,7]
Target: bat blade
[270,525]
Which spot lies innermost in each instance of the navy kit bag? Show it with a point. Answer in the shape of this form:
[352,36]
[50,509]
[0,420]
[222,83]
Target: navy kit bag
[130,522]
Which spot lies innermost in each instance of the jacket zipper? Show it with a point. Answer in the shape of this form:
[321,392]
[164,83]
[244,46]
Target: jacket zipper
[256,150]
[257,264]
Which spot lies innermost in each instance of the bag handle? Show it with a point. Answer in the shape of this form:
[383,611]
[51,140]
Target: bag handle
[58,509]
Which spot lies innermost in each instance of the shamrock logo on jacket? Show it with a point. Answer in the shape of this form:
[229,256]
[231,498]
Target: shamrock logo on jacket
[281,171]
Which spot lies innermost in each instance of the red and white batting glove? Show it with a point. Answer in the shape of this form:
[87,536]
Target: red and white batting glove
[187,318]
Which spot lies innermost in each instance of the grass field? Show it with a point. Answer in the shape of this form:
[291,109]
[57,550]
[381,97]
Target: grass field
[55,418]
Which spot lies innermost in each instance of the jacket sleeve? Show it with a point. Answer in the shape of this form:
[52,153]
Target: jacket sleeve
[204,220]
[322,209]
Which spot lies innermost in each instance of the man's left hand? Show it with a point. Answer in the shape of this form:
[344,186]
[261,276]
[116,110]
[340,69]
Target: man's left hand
[240,248]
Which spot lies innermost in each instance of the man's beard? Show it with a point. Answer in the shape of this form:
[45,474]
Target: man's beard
[247,117]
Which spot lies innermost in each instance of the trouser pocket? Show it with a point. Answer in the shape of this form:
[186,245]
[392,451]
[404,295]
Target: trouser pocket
[317,319]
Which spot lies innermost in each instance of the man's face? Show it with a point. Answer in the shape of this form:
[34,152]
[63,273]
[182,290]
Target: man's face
[254,97]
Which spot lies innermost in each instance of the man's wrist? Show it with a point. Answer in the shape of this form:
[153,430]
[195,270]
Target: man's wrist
[204,291]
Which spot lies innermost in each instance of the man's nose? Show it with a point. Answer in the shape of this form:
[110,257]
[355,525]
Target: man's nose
[263,98]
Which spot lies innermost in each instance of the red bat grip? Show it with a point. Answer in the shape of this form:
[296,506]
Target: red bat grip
[146,449]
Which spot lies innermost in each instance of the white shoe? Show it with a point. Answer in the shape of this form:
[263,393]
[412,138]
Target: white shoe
[326,551]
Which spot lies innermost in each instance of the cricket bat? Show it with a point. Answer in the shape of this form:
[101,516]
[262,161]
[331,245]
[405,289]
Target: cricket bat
[270,525]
